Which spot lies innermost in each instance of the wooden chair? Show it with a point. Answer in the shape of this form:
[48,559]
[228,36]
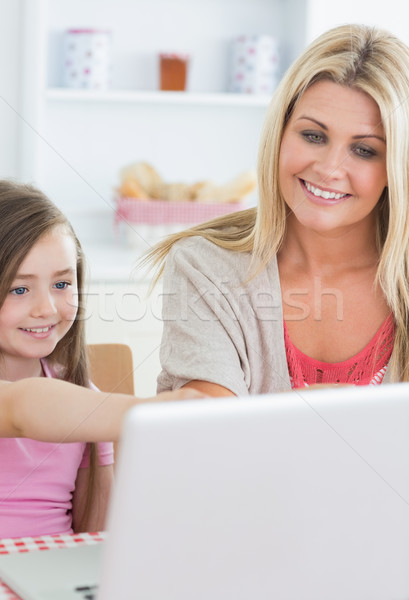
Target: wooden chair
[111,367]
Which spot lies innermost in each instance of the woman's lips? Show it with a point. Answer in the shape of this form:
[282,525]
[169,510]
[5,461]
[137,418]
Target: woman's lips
[323,197]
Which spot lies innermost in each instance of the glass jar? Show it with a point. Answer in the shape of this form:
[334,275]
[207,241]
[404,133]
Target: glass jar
[173,71]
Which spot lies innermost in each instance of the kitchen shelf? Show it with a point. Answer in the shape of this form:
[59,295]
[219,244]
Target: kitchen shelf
[73,143]
[157,97]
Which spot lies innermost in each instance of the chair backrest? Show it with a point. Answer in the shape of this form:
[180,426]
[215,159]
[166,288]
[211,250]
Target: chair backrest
[111,370]
[111,367]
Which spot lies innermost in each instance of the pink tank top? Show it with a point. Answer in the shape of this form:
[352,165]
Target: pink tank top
[366,367]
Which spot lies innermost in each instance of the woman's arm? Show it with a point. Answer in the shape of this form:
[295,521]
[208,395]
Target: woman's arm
[96,521]
[206,317]
[52,410]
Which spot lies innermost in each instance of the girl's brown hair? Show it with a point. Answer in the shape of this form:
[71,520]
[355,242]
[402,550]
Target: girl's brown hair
[26,215]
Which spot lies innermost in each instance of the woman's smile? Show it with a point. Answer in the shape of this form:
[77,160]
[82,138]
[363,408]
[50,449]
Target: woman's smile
[322,196]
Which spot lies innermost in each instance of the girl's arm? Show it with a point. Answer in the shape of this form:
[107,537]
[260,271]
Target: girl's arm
[52,410]
[104,476]
[208,388]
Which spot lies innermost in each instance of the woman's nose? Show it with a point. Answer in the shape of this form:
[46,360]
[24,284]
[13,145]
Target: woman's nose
[331,164]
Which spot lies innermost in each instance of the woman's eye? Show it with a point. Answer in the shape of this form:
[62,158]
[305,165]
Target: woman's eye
[364,152]
[313,137]
[18,291]
[61,285]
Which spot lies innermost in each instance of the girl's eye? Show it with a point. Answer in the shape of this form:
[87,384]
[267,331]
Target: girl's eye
[364,152]
[61,285]
[18,291]
[313,137]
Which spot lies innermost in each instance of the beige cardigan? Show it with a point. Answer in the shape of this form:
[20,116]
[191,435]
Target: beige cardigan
[217,327]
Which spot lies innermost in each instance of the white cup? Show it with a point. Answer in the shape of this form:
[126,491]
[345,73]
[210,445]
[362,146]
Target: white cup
[254,65]
[87,58]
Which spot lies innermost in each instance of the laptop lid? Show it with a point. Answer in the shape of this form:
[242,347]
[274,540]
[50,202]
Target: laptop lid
[302,495]
[295,496]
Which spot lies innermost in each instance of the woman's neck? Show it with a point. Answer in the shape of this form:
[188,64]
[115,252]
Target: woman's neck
[329,252]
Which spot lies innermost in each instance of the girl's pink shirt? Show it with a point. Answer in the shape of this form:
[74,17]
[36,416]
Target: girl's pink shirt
[37,480]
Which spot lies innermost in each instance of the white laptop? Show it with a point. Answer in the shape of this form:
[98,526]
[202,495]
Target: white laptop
[296,496]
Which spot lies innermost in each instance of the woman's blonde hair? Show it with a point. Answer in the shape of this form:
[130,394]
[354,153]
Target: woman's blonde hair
[26,216]
[376,62]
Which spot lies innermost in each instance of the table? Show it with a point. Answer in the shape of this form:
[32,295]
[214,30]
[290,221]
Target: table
[45,542]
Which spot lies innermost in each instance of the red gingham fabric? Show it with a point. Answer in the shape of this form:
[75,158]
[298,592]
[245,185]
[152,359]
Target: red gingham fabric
[157,212]
[29,544]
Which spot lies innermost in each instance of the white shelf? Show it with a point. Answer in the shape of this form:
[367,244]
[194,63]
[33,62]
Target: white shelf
[156,97]
[73,143]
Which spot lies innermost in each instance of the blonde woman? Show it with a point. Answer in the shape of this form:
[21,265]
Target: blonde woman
[311,286]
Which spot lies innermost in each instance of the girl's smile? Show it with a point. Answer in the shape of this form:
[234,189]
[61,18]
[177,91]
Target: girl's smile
[38,332]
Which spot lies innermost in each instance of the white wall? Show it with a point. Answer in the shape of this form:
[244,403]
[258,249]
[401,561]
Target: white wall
[389,14]
[9,85]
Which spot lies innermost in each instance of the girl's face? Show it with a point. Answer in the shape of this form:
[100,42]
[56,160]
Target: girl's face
[40,306]
[332,166]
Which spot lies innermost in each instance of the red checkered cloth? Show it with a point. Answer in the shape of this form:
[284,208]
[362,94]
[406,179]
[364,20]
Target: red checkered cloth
[158,212]
[29,544]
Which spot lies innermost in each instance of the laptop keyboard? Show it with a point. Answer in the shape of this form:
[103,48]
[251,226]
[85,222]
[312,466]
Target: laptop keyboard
[86,592]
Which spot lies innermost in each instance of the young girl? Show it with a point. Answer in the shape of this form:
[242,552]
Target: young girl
[45,487]
[311,286]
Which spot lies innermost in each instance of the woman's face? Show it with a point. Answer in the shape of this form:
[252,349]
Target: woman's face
[332,166]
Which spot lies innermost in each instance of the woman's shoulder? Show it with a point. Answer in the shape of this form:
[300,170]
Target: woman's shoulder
[196,254]
[199,249]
